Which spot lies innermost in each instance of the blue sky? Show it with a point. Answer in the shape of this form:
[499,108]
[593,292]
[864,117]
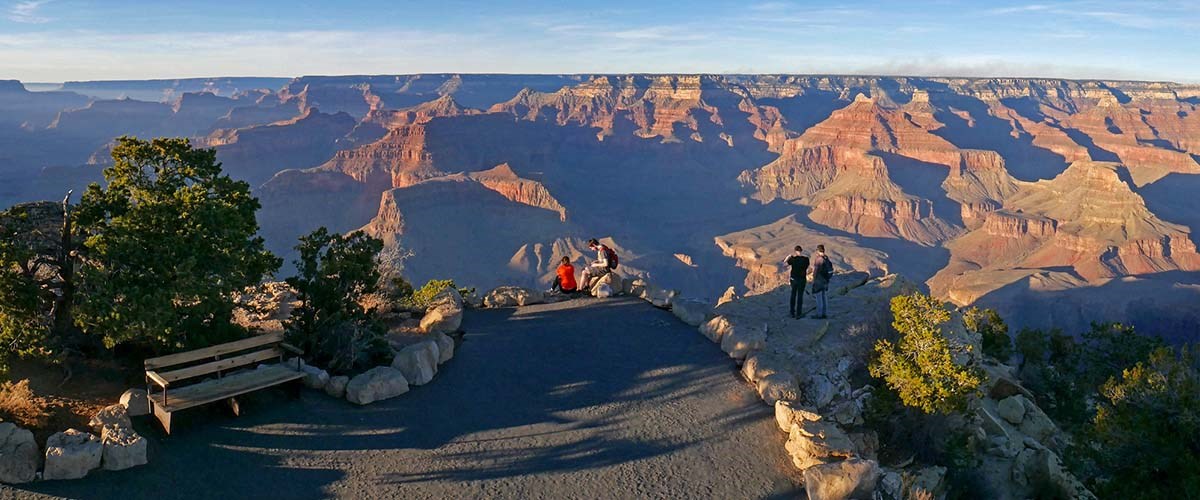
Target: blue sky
[58,40]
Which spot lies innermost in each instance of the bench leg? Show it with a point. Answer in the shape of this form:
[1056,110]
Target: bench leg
[235,407]
[163,416]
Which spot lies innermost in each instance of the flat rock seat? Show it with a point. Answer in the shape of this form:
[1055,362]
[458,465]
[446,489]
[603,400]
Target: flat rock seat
[232,364]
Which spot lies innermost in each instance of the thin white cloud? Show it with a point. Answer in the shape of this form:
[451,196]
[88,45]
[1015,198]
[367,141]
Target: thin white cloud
[1019,9]
[27,11]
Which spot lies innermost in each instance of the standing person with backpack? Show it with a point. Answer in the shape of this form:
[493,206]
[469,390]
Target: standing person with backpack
[822,270]
[606,262]
[799,264]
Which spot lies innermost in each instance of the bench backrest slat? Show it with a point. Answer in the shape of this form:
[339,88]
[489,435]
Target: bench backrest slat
[221,365]
[213,351]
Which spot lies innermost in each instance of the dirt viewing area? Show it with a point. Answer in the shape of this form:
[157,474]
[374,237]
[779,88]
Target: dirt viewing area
[582,399]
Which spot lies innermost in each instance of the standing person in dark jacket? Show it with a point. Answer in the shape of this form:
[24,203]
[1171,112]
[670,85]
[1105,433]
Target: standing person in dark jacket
[799,264]
[822,270]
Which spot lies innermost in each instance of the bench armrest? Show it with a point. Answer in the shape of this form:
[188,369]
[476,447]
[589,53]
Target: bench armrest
[157,379]
[291,348]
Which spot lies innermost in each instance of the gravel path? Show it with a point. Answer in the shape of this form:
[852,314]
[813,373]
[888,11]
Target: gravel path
[582,399]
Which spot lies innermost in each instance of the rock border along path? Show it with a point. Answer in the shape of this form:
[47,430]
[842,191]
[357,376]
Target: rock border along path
[591,398]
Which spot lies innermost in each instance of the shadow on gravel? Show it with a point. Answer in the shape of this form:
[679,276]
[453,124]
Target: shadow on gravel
[556,388]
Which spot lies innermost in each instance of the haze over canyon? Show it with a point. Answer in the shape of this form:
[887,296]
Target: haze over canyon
[1057,202]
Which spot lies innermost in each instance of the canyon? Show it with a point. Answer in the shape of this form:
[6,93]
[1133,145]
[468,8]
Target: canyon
[1057,202]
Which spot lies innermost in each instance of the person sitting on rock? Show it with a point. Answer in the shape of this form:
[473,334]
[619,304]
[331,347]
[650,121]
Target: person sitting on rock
[822,270]
[606,262]
[799,266]
[565,281]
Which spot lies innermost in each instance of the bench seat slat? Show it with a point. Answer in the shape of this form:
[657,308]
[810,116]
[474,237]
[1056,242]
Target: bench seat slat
[213,351]
[221,365]
[227,387]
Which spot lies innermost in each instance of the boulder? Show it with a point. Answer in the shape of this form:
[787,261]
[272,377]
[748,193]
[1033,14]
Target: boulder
[1012,409]
[314,378]
[71,454]
[1037,424]
[444,314]
[716,328]
[776,387]
[18,454]
[337,386]
[789,412]
[820,391]
[742,342]
[614,284]
[376,384]
[418,362]
[123,448]
[816,442]
[931,479]
[512,296]
[112,415]
[891,484]
[602,291]
[636,287]
[445,345]
[658,297]
[851,478]
[690,311]
[135,402]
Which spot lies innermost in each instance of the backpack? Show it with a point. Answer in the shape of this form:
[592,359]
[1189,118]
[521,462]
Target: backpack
[827,268]
[611,257]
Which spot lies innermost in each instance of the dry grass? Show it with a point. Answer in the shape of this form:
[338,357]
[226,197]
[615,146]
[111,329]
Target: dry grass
[920,494]
[19,405]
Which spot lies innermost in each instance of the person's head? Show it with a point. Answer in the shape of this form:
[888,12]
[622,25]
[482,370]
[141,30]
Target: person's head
[566,260]
[798,249]
[821,248]
[592,243]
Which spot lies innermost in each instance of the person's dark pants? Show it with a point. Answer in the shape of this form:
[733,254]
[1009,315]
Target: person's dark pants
[557,286]
[796,305]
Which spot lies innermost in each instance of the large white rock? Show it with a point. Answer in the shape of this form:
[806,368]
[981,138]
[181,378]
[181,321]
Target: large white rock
[444,314]
[337,386]
[691,311]
[816,442]
[636,287]
[135,402]
[18,454]
[123,448]
[1012,409]
[376,384]
[112,415]
[789,412]
[776,387]
[742,342]
[602,291]
[418,362]
[659,297]
[71,454]
[851,478]
[314,378]
[716,328]
[445,346]
[613,282]
[512,296]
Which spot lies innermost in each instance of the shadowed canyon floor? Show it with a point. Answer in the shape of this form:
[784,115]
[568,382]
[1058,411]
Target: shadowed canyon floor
[581,399]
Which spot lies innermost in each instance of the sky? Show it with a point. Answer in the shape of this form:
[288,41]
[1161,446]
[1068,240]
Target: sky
[63,40]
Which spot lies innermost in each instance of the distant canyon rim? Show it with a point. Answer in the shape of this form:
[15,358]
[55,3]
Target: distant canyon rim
[1056,202]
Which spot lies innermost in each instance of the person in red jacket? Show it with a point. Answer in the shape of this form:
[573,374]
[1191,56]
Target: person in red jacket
[565,281]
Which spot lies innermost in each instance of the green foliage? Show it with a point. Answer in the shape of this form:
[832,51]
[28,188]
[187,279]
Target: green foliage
[920,368]
[29,283]
[169,240]
[334,273]
[1144,441]
[1066,376]
[420,298]
[992,329]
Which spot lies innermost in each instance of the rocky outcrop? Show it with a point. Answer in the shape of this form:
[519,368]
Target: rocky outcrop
[512,296]
[18,454]
[502,179]
[376,384]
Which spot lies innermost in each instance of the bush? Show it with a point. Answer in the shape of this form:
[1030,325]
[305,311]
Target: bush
[992,329]
[334,272]
[1145,438]
[920,368]
[18,404]
[421,298]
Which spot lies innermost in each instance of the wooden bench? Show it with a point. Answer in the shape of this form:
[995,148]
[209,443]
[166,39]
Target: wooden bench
[176,374]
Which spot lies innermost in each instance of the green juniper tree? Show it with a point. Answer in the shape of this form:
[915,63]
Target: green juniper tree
[169,240]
